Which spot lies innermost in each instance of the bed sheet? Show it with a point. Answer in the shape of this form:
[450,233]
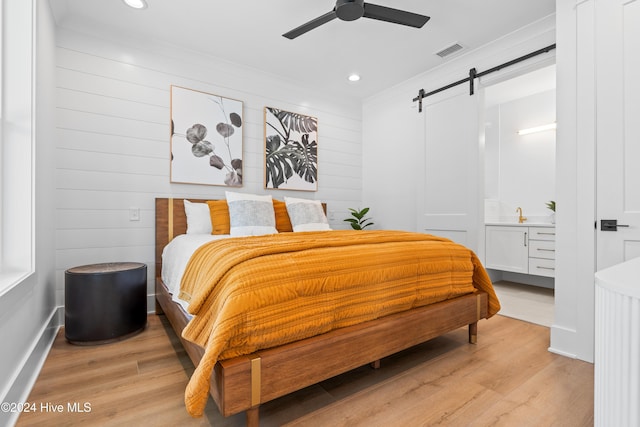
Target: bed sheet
[175,257]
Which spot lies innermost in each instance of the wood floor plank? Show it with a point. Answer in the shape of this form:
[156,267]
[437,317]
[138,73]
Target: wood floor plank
[509,378]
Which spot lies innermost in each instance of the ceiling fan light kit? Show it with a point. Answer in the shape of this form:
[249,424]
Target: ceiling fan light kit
[350,10]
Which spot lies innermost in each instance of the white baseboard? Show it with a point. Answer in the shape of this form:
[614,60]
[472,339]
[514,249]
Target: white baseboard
[151,304]
[562,353]
[562,340]
[26,377]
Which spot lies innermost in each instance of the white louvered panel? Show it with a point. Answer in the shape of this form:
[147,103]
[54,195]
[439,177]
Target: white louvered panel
[617,356]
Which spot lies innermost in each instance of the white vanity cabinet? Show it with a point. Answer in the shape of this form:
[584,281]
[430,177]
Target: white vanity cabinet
[542,251]
[520,249]
[506,248]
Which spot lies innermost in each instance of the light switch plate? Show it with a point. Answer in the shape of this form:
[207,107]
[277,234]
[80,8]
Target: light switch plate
[134,214]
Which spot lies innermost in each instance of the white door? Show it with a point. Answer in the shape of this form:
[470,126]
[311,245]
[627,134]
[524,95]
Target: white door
[451,181]
[618,129]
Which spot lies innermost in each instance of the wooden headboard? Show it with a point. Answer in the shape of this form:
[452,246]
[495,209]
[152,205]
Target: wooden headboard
[171,221]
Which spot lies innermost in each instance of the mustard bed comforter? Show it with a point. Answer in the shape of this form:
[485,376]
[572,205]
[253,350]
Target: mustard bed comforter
[251,293]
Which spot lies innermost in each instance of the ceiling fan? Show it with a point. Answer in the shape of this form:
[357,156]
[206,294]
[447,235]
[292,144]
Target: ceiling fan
[350,10]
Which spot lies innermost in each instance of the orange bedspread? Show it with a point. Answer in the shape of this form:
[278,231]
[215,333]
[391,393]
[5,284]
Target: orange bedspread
[251,293]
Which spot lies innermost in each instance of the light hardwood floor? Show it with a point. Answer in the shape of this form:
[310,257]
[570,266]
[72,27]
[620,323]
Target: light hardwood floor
[507,379]
[525,302]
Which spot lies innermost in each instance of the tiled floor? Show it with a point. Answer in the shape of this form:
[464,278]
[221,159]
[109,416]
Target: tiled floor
[525,302]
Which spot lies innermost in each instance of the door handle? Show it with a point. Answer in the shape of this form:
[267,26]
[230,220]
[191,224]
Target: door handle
[611,225]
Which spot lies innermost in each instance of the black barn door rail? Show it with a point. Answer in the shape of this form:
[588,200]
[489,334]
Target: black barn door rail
[473,74]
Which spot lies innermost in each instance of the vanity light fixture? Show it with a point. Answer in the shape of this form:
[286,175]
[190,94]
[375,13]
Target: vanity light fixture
[136,4]
[550,126]
[354,77]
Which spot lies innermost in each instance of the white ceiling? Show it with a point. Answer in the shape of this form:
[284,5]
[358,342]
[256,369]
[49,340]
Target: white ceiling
[249,32]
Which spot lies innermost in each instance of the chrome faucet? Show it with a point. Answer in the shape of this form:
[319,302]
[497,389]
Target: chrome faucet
[521,218]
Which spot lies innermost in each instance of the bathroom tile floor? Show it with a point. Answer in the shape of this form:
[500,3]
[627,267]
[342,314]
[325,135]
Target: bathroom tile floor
[525,302]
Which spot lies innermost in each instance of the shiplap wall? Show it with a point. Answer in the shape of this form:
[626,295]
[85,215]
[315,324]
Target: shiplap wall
[113,144]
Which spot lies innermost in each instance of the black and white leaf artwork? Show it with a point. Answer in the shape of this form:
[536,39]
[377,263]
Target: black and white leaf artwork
[291,150]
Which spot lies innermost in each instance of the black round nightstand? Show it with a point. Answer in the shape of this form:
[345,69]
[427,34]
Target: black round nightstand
[105,302]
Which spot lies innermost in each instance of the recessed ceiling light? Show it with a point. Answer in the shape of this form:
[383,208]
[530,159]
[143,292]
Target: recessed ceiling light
[136,4]
[354,77]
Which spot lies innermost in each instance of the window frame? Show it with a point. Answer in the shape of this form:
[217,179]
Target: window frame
[17,143]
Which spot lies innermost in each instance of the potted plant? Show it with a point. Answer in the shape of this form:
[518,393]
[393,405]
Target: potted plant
[551,205]
[359,222]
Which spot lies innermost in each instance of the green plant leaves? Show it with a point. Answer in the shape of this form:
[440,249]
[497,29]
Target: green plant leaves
[551,205]
[359,222]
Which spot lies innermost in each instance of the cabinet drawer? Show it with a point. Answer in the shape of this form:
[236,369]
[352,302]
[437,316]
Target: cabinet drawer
[542,267]
[542,249]
[542,233]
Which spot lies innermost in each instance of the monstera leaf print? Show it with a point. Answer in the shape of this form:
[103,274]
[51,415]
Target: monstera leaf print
[296,122]
[289,149]
[279,164]
[306,159]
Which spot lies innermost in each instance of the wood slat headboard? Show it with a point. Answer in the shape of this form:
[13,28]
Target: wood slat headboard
[171,221]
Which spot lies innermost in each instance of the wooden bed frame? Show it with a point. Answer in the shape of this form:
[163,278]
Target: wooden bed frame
[245,382]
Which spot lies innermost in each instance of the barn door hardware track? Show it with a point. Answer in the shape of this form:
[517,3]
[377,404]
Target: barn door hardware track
[474,74]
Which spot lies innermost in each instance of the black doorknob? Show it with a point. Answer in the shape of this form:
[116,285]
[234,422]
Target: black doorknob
[611,225]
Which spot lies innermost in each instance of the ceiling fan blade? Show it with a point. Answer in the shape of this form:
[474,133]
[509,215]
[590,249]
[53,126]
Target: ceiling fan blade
[396,16]
[311,25]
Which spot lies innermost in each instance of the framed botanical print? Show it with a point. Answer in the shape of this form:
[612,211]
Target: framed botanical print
[206,138]
[291,150]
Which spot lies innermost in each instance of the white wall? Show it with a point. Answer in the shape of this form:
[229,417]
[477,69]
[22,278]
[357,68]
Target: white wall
[112,142]
[520,169]
[393,130]
[28,315]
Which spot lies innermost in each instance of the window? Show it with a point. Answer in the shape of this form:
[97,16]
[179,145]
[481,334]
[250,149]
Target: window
[16,142]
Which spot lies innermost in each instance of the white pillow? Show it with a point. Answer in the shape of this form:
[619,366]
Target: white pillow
[306,215]
[198,217]
[250,214]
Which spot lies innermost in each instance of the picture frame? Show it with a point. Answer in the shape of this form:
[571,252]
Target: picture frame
[206,138]
[291,150]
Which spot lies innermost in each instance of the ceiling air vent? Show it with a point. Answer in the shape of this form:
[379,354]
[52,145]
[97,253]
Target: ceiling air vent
[449,50]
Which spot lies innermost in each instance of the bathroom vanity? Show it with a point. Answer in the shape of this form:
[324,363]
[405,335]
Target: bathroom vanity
[521,248]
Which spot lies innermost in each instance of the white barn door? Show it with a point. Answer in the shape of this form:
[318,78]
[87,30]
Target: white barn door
[618,130]
[452,181]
